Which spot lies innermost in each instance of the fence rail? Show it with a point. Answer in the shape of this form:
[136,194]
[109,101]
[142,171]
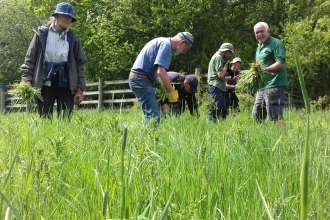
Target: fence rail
[116,93]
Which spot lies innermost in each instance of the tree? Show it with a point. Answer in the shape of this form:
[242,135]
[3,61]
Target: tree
[311,36]
[17,22]
[113,32]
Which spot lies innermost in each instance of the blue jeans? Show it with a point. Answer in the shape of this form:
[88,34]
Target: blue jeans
[218,104]
[146,96]
[269,102]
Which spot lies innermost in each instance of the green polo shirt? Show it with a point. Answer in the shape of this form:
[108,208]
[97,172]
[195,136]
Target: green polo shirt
[216,64]
[273,51]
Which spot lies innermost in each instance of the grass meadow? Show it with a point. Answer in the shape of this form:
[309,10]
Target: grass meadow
[186,168]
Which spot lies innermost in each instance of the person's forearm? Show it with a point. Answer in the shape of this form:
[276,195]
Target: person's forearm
[275,67]
[222,72]
[163,77]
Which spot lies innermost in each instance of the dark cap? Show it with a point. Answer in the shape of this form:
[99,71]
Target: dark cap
[187,37]
[193,83]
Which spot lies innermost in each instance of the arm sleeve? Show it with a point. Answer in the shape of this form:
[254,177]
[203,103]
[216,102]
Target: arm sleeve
[164,56]
[279,52]
[81,61]
[27,69]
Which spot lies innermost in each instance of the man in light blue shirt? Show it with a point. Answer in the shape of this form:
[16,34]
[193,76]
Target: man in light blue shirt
[152,62]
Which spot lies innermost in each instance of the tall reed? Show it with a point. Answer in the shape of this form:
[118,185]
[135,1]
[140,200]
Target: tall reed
[305,156]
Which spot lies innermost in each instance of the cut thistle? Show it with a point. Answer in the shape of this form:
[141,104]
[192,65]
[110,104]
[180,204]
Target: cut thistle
[250,81]
[25,92]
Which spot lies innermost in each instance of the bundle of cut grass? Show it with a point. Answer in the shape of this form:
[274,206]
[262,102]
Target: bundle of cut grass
[25,92]
[250,81]
[160,91]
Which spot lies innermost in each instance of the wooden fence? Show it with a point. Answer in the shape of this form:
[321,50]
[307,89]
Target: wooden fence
[98,95]
[117,95]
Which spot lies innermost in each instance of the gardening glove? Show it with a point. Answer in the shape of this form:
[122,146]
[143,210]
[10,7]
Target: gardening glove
[173,96]
[78,97]
[173,99]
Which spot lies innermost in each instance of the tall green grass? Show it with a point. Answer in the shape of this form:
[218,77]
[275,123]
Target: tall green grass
[186,168]
[306,151]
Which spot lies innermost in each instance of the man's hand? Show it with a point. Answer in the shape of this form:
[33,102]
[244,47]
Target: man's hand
[227,66]
[266,70]
[236,78]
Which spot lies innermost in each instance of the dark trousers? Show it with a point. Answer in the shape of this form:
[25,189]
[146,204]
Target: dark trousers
[218,104]
[63,98]
[231,101]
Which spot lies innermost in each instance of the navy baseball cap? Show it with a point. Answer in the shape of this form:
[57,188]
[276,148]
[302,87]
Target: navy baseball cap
[193,83]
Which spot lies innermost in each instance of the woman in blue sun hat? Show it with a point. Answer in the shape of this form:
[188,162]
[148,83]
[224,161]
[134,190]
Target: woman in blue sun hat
[55,63]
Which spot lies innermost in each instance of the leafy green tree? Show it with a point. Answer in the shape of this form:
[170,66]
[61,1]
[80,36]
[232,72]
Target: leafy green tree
[311,36]
[16,25]
[113,32]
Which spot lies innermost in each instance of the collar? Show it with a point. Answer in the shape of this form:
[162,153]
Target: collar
[52,27]
[267,41]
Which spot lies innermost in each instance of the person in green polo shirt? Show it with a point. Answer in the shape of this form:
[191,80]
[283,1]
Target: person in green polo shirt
[271,54]
[217,81]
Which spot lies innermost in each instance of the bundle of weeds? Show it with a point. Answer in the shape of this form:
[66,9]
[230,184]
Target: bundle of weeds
[250,81]
[160,91]
[25,92]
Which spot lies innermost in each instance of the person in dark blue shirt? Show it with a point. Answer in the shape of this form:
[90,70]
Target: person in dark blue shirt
[186,85]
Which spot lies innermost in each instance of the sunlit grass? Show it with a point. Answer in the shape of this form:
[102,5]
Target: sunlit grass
[186,168]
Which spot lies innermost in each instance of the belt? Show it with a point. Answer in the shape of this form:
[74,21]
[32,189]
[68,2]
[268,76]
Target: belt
[138,75]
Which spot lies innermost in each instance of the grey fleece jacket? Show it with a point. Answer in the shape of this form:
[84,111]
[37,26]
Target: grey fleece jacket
[33,68]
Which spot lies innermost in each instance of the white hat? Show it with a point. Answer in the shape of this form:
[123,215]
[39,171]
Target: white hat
[226,47]
[236,59]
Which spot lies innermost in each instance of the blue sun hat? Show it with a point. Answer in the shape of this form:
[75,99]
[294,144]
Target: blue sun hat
[65,9]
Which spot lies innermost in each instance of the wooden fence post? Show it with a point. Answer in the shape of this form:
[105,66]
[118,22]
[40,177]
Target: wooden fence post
[198,71]
[100,104]
[2,98]
[28,107]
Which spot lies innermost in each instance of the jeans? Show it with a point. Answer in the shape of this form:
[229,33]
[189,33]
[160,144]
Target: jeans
[218,104]
[146,96]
